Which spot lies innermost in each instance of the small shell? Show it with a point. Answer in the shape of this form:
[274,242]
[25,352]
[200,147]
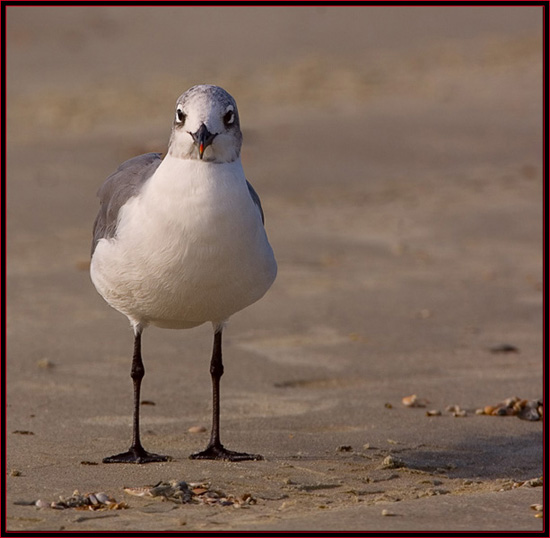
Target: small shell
[41,504]
[142,491]
[509,402]
[533,482]
[386,512]
[529,413]
[459,412]
[196,429]
[103,498]
[518,406]
[414,401]
[537,507]
[480,411]
[391,462]
[433,413]
[488,409]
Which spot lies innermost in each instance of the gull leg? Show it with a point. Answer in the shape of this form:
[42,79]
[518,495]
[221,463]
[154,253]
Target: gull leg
[215,450]
[136,453]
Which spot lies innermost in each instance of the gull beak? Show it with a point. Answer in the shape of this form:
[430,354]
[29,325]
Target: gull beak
[203,138]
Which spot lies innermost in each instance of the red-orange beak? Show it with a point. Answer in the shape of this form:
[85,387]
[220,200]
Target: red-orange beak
[203,138]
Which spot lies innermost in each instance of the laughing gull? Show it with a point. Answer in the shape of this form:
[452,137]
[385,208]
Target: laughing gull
[180,241]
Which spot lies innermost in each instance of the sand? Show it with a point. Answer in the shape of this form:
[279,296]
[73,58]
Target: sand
[398,155]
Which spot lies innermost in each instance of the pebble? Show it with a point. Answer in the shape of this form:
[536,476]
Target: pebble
[433,413]
[386,512]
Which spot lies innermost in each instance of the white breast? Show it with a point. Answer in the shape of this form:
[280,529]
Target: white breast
[190,248]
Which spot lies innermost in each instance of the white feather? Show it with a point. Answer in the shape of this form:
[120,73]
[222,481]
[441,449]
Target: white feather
[190,248]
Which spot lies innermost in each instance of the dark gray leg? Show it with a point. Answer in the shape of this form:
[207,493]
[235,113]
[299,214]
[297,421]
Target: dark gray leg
[215,450]
[136,453]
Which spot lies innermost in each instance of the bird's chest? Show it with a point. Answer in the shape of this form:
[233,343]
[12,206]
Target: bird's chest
[199,225]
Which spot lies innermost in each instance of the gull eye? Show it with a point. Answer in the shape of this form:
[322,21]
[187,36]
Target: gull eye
[180,116]
[229,118]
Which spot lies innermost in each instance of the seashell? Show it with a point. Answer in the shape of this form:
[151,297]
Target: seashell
[139,491]
[386,512]
[533,482]
[103,498]
[414,401]
[488,409]
[509,402]
[196,429]
[459,412]
[519,405]
[480,411]
[93,499]
[537,507]
[391,462]
[433,413]
[529,413]
[41,504]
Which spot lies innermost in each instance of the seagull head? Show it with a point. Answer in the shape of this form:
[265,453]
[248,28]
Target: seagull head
[206,126]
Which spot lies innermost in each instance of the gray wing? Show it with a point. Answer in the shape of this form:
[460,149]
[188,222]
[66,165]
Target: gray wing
[256,199]
[118,188]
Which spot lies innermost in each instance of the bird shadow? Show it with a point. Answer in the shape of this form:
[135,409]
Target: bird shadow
[514,457]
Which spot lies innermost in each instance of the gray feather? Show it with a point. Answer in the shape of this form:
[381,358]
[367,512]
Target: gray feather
[256,199]
[118,188]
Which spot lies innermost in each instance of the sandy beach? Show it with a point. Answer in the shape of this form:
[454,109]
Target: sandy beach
[398,155]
